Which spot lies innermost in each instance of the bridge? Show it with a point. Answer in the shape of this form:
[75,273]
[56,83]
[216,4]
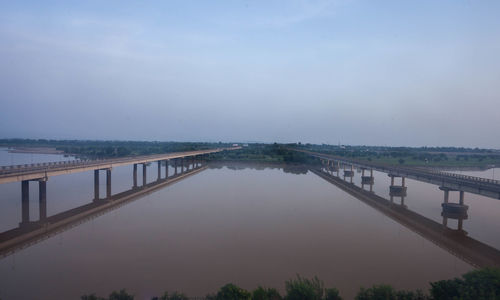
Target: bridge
[445,180]
[30,232]
[41,172]
[456,242]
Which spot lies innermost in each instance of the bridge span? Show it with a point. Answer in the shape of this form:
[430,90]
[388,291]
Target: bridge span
[445,180]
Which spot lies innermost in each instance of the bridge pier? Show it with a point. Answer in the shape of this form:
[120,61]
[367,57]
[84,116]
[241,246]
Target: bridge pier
[175,166]
[159,170]
[144,174]
[25,202]
[42,199]
[108,183]
[182,165]
[96,185]
[457,211]
[135,176]
[166,168]
[349,173]
[397,190]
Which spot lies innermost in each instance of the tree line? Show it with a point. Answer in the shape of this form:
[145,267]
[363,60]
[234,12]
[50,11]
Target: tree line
[481,284]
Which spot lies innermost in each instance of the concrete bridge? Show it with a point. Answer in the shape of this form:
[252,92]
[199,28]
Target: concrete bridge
[454,241]
[41,172]
[446,181]
[30,232]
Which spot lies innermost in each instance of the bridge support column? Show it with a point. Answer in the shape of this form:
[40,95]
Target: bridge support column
[182,165]
[159,170]
[108,183]
[144,174]
[175,166]
[25,202]
[135,176]
[462,197]
[96,185]
[42,199]
[166,169]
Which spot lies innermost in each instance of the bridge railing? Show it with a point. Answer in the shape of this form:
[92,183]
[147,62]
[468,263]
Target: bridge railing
[48,166]
[412,170]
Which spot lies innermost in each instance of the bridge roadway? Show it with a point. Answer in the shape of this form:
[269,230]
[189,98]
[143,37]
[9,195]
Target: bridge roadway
[475,185]
[45,170]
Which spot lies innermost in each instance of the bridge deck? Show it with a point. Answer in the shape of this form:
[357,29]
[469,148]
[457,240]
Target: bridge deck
[45,170]
[476,185]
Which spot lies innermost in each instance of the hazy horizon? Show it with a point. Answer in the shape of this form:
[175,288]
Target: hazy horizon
[353,72]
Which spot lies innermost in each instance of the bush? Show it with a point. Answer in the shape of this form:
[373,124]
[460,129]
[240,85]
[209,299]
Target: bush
[261,293]
[477,284]
[303,288]
[232,292]
[377,292]
[332,294]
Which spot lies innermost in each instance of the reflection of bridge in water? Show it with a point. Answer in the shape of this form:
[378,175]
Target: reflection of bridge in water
[454,241]
[31,232]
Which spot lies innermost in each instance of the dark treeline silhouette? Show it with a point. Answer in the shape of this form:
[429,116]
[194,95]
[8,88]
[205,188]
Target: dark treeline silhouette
[276,153]
[475,285]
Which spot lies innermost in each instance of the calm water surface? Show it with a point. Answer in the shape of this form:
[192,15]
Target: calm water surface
[250,226]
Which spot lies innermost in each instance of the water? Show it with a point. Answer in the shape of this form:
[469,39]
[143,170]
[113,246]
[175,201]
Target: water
[250,225]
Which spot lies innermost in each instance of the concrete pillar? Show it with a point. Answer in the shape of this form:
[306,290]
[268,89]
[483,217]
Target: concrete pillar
[371,172]
[460,224]
[175,166]
[135,175]
[42,199]
[403,181]
[362,172]
[445,221]
[182,165]
[144,174]
[392,180]
[446,196]
[159,170]
[166,169]
[25,202]
[96,184]
[371,187]
[108,183]
[462,197]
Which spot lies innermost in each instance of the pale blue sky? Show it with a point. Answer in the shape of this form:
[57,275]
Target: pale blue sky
[350,71]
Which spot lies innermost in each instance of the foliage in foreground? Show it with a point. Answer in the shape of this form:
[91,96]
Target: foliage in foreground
[475,285]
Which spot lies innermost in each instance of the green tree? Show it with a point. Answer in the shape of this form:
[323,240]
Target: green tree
[332,294]
[261,293]
[303,288]
[377,292]
[232,292]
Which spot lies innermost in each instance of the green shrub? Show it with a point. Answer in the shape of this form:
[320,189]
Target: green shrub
[261,293]
[303,288]
[232,292]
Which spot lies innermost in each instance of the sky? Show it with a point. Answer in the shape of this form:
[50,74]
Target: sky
[359,72]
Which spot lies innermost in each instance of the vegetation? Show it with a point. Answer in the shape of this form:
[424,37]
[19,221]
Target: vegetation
[475,285]
[275,153]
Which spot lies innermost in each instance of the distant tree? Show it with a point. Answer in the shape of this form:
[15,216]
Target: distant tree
[261,293]
[377,292]
[91,297]
[401,161]
[232,292]
[332,294]
[303,288]
[121,295]
[477,284]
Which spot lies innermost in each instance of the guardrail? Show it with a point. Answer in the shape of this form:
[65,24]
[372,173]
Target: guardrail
[415,170]
[50,166]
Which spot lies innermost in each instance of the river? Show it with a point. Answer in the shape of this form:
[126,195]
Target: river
[246,224]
